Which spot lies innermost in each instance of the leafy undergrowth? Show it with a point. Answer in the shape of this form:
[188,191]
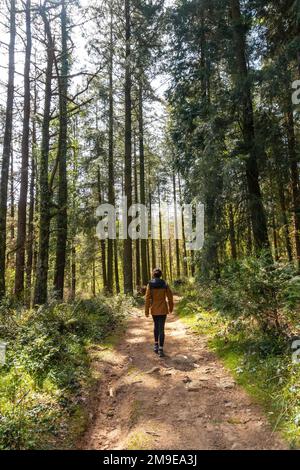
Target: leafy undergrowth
[47,376]
[261,363]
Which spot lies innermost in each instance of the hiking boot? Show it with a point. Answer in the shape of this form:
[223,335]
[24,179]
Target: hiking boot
[161,353]
[156,348]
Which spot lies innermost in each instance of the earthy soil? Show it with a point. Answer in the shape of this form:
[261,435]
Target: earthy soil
[185,401]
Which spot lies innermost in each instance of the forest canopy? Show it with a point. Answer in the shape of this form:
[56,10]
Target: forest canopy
[177,102]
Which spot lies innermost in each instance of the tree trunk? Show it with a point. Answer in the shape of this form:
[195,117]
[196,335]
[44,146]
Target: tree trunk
[21,236]
[185,263]
[275,238]
[127,254]
[137,242]
[41,288]
[102,242]
[117,281]
[7,146]
[161,244]
[176,229]
[249,237]
[193,263]
[93,277]
[148,259]
[36,186]
[12,198]
[232,233]
[153,253]
[293,159]
[62,214]
[73,271]
[111,192]
[31,235]
[142,181]
[258,217]
[280,183]
[210,263]
[170,260]
[285,223]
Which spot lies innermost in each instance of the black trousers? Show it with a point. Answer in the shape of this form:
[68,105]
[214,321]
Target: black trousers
[159,329]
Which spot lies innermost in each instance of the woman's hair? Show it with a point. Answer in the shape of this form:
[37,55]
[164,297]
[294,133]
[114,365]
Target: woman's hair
[157,273]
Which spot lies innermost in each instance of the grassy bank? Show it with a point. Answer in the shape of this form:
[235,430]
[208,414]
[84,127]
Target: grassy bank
[261,363]
[47,377]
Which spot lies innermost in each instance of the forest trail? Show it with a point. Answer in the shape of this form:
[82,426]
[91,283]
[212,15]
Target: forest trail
[185,401]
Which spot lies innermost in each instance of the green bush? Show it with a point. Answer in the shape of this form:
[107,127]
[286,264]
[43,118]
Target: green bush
[255,288]
[261,362]
[48,365]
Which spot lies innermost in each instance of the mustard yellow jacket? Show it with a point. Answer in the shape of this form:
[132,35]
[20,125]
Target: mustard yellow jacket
[159,298]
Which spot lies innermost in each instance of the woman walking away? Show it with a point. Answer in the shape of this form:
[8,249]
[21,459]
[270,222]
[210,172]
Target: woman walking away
[157,294]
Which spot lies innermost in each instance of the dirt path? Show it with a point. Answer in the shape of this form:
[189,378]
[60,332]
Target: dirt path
[184,401]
